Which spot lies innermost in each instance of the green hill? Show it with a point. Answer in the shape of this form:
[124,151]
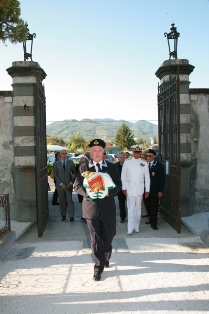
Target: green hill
[100,128]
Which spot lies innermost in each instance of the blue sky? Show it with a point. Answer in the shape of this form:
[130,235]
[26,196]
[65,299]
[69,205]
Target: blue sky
[101,56]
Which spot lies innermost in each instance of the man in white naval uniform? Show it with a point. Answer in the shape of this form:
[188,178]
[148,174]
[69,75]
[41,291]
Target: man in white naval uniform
[135,182]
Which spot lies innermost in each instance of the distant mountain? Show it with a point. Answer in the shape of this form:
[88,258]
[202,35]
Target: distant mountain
[105,129]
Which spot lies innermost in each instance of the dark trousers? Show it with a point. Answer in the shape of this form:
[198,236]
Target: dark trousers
[151,204]
[101,243]
[54,197]
[122,204]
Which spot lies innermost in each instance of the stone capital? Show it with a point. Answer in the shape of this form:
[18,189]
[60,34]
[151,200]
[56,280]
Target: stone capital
[26,68]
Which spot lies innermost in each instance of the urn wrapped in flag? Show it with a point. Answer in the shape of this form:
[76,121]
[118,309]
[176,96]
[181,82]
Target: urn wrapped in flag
[97,184]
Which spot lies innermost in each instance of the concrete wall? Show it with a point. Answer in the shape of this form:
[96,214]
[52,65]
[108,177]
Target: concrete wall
[199,108]
[7,148]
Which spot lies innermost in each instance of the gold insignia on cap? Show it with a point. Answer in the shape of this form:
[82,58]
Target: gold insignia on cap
[96,142]
[136,148]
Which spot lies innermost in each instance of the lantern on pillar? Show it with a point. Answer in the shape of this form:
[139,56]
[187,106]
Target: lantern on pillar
[29,37]
[172,35]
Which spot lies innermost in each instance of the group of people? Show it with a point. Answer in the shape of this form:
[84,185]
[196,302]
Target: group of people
[143,180]
[97,182]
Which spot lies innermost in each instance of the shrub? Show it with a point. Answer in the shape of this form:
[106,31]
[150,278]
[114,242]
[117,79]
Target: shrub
[49,168]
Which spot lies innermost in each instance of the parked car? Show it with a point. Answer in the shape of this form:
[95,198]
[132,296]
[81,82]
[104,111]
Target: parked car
[50,158]
[110,158]
[72,155]
[115,156]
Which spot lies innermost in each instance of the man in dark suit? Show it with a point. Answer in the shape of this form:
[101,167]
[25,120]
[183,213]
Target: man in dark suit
[64,174]
[55,194]
[157,181]
[120,195]
[100,213]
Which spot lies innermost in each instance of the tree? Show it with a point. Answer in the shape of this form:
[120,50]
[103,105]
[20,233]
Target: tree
[124,138]
[77,142]
[12,27]
[155,139]
[86,146]
[55,140]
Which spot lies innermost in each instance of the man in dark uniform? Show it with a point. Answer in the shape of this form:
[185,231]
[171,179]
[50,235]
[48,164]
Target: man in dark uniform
[157,181]
[100,213]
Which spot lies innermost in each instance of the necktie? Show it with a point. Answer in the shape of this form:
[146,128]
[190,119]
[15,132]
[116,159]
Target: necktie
[99,169]
[64,165]
[149,165]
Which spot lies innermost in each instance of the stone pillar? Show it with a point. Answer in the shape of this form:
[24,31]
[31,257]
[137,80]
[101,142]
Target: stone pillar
[25,75]
[184,69]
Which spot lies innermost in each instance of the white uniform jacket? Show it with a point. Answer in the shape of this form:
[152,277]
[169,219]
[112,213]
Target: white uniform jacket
[135,177]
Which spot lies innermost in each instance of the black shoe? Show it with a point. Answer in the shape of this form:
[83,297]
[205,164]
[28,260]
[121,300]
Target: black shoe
[97,277]
[147,222]
[122,221]
[63,218]
[72,219]
[55,203]
[154,227]
[83,219]
[106,265]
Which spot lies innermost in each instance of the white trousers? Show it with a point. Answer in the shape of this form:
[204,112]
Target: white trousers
[134,212]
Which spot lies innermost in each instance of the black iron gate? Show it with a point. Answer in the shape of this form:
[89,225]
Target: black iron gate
[169,143]
[41,158]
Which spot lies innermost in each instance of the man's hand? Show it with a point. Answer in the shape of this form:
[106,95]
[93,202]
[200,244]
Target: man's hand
[146,194]
[160,194]
[125,192]
[63,186]
[69,186]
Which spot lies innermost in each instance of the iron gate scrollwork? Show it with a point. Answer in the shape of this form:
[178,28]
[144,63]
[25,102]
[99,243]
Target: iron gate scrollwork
[169,143]
[41,159]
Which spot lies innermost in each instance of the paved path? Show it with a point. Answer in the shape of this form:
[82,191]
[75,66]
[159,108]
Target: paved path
[150,272]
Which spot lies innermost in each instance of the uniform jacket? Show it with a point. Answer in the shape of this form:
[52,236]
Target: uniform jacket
[157,178]
[61,175]
[105,206]
[135,177]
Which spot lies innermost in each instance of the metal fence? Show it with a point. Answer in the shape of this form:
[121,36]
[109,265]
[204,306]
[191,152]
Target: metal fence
[5,224]
[169,142]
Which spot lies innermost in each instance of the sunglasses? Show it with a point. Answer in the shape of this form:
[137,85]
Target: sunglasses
[149,155]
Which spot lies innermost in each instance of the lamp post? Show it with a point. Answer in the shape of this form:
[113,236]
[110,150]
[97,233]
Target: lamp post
[30,37]
[172,35]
